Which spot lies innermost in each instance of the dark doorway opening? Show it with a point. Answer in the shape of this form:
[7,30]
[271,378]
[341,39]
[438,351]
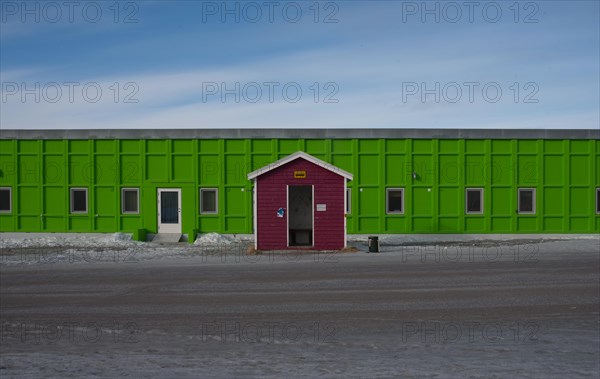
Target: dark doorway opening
[300,215]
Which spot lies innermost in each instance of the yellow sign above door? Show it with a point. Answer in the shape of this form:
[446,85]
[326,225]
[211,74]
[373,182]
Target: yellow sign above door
[299,174]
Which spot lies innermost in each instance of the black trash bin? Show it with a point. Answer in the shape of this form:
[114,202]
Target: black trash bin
[373,244]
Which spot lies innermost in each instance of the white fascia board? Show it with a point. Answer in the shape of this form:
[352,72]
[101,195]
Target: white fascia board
[303,155]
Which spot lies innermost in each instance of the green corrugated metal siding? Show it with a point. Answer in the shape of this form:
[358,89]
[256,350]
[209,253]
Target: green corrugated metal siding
[565,174]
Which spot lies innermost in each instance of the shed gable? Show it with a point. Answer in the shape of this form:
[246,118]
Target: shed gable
[299,155]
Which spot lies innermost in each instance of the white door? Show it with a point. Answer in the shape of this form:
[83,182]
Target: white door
[169,210]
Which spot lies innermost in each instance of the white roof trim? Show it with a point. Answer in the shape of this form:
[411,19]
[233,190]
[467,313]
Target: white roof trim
[296,155]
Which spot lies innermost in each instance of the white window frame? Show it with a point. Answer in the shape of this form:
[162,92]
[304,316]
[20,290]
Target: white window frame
[137,190]
[598,200]
[10,198]
[348,204]
[71,200]
[387,200]
[216,191]
[519,211]
[467,201]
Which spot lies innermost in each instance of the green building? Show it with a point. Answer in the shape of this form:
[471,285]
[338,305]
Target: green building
[404,180]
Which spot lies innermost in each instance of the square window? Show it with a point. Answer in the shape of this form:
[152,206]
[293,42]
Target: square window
[208,200]
[527,200]
[348,200]
[79,200]
[474,201]
[130,200]
[5,200]
[598,200]
[395,201]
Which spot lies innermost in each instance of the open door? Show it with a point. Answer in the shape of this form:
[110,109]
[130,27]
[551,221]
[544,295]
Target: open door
[300,216]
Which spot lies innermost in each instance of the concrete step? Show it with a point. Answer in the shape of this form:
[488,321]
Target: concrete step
[166,238]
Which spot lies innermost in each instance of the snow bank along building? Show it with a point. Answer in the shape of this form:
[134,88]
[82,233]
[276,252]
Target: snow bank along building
[300,187]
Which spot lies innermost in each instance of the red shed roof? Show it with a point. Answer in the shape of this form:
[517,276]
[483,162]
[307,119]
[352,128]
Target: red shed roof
[296,155]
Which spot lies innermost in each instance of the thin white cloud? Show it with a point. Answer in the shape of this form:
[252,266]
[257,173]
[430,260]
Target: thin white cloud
[370,77]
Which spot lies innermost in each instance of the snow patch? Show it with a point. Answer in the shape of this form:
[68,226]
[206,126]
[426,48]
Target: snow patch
[221,239]
[406,239]
[27,240]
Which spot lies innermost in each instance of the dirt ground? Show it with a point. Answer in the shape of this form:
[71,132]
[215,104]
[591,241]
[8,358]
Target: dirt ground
[482,310]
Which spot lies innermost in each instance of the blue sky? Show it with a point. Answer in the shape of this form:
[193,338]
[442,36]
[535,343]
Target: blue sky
[302,64]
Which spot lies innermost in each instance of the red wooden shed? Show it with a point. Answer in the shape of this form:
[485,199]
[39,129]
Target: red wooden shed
[300,202]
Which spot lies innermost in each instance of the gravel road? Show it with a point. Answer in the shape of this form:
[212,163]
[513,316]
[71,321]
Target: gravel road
[514,310]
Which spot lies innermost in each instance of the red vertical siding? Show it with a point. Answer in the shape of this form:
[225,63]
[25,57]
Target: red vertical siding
[272,195]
